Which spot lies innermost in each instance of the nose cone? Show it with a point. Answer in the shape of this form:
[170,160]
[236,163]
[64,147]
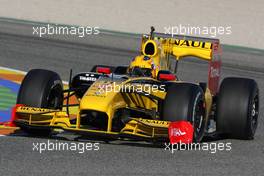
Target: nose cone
[96,100]
[100,96]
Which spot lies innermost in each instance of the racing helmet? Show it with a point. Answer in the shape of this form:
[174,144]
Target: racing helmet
[142,66]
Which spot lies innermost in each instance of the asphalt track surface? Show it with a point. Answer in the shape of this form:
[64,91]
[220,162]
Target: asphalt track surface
[120,157]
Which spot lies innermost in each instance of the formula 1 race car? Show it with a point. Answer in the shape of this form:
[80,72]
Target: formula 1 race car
[145,100]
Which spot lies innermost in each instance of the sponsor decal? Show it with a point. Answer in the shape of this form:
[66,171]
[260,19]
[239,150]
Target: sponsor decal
[23,108]
[214,76]
[156,122]
[189,43]
[214,72]
[84,78]
[177,132]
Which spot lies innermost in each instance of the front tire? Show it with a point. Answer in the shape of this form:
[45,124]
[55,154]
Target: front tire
[185,101]
[42,89]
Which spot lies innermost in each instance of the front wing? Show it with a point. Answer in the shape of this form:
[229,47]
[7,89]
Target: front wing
[136,128]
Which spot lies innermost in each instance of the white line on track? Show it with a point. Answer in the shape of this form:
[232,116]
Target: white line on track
[15,70]
[22,72]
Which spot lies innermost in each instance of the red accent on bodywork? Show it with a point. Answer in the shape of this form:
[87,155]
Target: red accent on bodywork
[104,70]
[214,76]
[180,132]
[167,77]
[13,116]
[214,70]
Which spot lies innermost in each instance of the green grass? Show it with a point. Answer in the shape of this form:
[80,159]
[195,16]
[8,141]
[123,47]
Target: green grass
[7,98]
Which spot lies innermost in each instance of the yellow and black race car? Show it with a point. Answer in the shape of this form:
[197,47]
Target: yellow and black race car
[144,99]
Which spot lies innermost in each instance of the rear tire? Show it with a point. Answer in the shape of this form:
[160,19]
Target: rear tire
[185,101]
[238,108]
[42,89]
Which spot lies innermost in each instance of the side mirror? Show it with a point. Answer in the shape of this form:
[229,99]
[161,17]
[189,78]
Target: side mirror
[166,76]
[103,70]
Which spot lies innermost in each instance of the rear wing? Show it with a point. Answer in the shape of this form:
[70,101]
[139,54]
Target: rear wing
[180,46]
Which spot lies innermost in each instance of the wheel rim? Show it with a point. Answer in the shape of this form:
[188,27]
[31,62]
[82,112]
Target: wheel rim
[254,113]
[198,120]
[55,98]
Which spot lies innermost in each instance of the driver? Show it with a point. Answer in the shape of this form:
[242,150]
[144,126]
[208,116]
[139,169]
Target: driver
[143,66]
